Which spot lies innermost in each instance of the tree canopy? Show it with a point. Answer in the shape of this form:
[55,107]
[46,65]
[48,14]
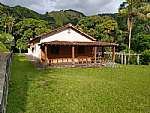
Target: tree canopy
[102,28]
[6,39]
[29,28]
[23,24]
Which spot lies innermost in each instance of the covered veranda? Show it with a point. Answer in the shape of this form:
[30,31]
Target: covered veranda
[63,53]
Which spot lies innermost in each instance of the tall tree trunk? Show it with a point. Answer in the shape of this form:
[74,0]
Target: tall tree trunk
[130,23]
[20,50]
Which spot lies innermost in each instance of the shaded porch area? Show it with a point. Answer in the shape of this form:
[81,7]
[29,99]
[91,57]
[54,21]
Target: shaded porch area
[88,54]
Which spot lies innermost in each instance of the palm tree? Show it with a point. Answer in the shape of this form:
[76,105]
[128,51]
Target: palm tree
[130,25]
[135,8]
[7,22]
[10,23]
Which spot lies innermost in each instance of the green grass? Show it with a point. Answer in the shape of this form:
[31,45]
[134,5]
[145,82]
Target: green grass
[124,89]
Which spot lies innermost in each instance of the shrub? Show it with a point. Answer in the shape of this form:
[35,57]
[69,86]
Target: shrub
[6,39]
[3,48]
[145,58]
[133,59]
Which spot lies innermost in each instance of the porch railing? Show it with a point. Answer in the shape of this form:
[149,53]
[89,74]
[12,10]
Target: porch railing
[89,61]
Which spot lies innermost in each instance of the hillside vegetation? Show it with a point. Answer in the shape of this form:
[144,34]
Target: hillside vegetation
[23,24]
[19,12]
[66,16]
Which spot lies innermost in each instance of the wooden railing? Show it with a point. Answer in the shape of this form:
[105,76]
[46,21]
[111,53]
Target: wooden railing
[78,61]
[122,57]
[67,60]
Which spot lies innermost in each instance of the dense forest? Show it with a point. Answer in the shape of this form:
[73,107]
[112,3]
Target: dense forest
[130,28]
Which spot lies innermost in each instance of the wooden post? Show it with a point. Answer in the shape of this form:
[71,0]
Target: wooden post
[113,54]
[121,58]
[95,51]
[125,59]
[138,59]
[46,58]
[102,51]
[73,55]
[41,54]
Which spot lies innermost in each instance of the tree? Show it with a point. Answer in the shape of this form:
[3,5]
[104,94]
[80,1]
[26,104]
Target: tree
[22,44]
[146,57]
[134,8]
[141,35]
[103,28]
[7,24]
[3,48]
[6,39]
[29,28]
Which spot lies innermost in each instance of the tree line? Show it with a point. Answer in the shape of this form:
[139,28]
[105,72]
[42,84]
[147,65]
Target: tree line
[130,28]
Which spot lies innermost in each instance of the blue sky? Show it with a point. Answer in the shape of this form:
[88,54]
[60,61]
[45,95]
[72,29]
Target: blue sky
[88,7]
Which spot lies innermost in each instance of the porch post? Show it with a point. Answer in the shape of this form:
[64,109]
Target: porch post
[73,55]
[113,54]
[121,58]
[46,58]
[102,51]
[95,51]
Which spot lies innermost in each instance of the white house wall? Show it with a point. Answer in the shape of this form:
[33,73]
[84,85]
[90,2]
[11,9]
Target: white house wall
[30,51]
[66,35]
[36,52]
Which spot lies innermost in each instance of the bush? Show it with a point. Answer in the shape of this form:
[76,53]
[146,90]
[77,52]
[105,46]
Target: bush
[145,58]
[133,59]
[3,48]
[118,59]
[6,39]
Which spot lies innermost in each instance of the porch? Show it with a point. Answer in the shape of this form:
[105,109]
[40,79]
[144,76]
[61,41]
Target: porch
[77,54]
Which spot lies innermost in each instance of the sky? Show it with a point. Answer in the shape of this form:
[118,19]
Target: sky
[88,7]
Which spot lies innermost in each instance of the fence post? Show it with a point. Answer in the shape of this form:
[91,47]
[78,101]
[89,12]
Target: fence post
[138,59]
[121,58]
[125,59]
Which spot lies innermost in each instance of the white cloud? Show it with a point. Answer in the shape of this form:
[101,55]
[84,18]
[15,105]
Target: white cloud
[89,7]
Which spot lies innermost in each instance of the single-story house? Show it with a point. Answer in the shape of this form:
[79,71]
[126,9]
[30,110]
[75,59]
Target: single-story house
[68,45]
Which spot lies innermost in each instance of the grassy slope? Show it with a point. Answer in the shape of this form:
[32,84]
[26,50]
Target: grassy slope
[120,90]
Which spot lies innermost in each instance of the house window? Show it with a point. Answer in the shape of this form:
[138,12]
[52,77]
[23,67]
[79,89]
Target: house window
[81,50]
[55,50]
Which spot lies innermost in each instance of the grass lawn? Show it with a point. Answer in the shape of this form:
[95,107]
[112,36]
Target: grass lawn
[78,90]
